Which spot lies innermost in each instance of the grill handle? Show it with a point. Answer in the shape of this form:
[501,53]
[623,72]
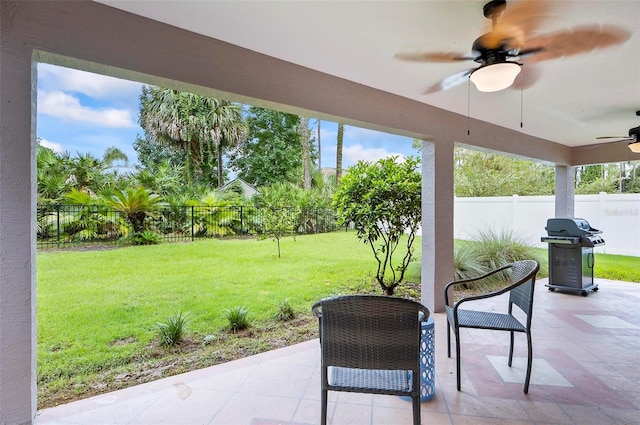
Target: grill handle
[591,260]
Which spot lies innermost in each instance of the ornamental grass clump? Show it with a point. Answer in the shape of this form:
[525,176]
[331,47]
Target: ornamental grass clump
[498,248]
[172,329]
[491,249]
[238,318]
[285,311]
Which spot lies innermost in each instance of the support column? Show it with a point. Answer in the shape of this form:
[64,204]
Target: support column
[17,226]
[565,191]
[437,223]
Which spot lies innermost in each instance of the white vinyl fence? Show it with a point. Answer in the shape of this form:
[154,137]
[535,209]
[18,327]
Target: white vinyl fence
[617,216]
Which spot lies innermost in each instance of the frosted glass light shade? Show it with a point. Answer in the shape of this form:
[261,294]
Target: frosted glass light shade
[635,147]
[495,76]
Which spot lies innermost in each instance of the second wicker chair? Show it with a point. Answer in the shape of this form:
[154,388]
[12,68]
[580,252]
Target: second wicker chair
[520,289]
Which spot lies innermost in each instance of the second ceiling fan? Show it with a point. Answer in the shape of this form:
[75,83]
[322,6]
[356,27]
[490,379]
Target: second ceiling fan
[633,138]
[511,36]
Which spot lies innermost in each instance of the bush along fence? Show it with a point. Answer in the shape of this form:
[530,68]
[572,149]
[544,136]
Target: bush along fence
[61,226]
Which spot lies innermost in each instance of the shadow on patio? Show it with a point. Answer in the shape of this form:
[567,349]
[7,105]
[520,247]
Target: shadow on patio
[585,371]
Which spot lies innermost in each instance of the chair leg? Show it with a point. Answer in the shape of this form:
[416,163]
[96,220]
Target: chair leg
[448,339]
[457,334]
[511,350]
[529,363]
[323,404]
[416,410]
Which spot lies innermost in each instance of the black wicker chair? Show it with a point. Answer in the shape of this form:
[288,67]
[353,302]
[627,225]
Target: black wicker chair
[371,344]
[523,276]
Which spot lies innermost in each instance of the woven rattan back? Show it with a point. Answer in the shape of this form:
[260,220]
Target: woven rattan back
[370,332]
[523,273]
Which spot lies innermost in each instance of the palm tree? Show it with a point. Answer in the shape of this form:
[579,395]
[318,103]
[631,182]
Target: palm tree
[203,127]
[136,204]
[51,175]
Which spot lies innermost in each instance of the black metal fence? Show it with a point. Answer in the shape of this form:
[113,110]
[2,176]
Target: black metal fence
[61,226]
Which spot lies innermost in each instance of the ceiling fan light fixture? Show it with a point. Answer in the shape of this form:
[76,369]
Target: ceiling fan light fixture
[495,76]
[635,146]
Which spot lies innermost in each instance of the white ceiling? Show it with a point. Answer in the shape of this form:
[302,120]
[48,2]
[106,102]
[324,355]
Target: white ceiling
[573,100]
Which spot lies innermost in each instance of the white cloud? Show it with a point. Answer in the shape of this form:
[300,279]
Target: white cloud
[97,86]
[357,152]
[64,106]
[56,147]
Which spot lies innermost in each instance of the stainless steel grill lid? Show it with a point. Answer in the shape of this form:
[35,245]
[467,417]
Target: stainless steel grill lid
[570,227]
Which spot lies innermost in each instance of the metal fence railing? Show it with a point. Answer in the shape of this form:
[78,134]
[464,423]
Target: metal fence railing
[61,225]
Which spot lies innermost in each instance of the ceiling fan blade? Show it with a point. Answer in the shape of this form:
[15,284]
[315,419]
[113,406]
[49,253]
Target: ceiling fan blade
[622,138]
[529,75]
[450,82]
[575,41]
[597,145]
[432,57]
[516,23]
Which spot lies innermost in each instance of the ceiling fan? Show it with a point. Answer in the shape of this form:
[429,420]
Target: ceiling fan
[633,138]
[510,37]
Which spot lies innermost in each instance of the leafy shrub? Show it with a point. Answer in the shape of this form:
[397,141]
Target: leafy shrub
[383,201]
[172,329]
[285,311]
[146,237]
[238,318]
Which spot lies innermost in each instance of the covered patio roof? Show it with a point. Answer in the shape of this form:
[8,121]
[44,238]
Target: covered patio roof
[331,60]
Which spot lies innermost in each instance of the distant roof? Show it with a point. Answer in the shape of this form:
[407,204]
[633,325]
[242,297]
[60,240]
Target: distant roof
[247,189]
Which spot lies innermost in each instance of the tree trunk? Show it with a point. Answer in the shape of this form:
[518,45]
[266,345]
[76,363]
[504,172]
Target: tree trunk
[339,152]
[306,149]
[319,149]
[220,182]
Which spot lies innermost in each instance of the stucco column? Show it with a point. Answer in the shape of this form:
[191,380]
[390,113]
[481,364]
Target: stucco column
[437,223]
[17,236]
[565,191]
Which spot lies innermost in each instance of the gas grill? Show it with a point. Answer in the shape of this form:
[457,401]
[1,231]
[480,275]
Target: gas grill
[571,242]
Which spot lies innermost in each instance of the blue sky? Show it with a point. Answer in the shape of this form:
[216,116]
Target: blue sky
[81,112]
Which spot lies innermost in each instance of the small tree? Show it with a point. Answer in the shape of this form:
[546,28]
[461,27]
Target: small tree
[278,222]
[383,201]
[279,210]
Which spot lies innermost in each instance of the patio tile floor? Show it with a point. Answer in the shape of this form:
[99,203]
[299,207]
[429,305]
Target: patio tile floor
[586,371]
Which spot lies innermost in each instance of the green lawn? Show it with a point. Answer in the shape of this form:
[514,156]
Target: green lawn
[97,309]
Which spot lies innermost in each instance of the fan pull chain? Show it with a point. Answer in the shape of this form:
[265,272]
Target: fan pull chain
[468,107]
[521,95]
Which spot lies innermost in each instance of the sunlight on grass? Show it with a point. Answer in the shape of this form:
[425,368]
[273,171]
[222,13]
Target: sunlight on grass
[99,309]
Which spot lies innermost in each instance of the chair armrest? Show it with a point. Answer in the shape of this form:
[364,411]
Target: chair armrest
[316,309]
[490,294]
[425,313]
[453,283]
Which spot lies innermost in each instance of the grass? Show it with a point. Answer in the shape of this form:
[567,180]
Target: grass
[98,310]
